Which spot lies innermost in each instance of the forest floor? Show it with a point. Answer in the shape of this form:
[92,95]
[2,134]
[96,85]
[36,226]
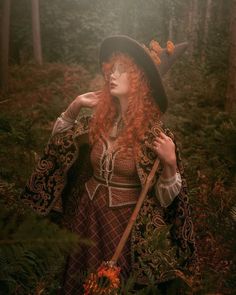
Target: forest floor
[206,134]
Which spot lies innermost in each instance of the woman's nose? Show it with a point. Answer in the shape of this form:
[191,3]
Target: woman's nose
[115,73]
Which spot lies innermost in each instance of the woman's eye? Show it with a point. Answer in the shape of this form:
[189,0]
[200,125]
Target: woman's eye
[121,68]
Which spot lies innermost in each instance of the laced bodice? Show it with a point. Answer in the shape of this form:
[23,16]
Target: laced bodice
[117,171]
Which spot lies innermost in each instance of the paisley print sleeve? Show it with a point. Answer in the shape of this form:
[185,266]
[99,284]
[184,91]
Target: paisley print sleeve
[43,190]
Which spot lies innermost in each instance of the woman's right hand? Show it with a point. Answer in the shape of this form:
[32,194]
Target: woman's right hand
[86,100]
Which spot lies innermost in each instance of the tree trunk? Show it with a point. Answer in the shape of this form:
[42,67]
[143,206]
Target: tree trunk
[5,33]
[135,22]
[193,26]
[231,87]
[206,29]
[171,22]
[220,12]
[36,32]
[170,35]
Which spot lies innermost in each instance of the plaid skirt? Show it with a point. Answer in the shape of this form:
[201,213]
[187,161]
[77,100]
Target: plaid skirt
[103,226]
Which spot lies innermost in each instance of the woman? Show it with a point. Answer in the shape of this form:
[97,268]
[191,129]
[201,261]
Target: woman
[93,171]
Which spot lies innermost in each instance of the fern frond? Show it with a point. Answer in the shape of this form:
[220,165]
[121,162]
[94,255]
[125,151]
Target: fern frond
[233,213]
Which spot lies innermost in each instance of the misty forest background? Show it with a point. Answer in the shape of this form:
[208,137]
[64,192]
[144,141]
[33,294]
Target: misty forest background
[49,55]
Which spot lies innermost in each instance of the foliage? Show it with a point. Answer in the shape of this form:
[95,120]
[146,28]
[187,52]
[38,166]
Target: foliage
[208,138]
[195,114]
[71,32]
[36,97]
[31,260]
[32,249]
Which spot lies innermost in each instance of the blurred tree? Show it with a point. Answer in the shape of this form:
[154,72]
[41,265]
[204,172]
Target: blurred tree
[206,28]
[5,32]
[193,25]
[231,87]
[21,45]
[36,32]
[171,20]
[73,29]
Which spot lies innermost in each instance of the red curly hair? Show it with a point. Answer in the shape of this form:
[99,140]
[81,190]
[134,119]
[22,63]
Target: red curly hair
[141,106]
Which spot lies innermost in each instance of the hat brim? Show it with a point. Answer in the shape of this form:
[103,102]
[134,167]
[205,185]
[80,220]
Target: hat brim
[125,44]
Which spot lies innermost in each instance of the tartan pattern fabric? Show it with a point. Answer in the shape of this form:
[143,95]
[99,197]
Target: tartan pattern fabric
[95,219]
[104,226]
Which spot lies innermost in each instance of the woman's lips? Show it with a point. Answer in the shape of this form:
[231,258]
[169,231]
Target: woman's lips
[112,85]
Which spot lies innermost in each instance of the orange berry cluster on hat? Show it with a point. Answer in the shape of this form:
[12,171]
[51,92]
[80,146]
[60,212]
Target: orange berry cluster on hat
[155,50]
[155,61]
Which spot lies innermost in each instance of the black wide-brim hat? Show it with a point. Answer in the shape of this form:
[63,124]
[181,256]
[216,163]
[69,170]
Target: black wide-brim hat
[125,44]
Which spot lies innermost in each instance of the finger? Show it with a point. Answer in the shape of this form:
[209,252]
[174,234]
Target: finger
[94,102]
[151,146]
[98,93]
[95,98]
[165,137]
[162,135]
[91,95]
[168,138]
[156,144]
[159,140]
[156,148]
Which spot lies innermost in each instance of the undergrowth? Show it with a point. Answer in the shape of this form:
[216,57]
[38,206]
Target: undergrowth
[206,134]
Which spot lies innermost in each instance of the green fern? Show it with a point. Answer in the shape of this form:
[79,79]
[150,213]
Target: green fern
[233,213]
[32,249]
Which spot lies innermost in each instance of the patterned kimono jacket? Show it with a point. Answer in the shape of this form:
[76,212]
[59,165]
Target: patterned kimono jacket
[162,239]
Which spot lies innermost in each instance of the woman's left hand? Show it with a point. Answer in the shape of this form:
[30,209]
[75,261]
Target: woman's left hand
[164,147]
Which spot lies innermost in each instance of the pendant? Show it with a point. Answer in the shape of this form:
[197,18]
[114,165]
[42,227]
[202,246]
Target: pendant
[114,130]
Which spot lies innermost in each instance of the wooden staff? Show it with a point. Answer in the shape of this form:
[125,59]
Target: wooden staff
[109,269]
[134,215]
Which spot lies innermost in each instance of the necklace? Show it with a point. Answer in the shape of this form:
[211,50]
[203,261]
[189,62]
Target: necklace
[117,127]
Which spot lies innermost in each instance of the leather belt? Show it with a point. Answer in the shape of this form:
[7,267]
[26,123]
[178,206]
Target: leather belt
[116,184]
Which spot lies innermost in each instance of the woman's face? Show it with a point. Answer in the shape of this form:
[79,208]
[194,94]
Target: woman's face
[118,80]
